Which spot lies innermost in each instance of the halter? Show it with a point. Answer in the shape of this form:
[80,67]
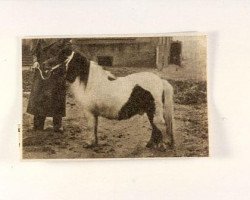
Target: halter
[49,71]
[55,67]
[69,59]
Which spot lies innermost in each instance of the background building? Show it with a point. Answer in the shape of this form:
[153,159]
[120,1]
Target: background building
[182,57]
[120,52]
[127,52]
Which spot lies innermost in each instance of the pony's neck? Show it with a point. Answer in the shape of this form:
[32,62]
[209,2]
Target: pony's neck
[78,89]
[97,75]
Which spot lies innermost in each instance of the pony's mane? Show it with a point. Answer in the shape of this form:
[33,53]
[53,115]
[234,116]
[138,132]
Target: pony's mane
[84,66]
[80,66]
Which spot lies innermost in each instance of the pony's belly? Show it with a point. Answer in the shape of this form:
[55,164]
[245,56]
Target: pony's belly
[109,101]
[108,109]
[109,115]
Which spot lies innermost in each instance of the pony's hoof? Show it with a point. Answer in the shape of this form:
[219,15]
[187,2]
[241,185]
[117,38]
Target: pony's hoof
[150,144]
[163,146]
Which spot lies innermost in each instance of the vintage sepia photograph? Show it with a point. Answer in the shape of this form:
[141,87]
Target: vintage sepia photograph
[114,97]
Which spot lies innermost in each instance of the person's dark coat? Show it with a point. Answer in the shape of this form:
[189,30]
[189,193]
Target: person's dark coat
[48,97]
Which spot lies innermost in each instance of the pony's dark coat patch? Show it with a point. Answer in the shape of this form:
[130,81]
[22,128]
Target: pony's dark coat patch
[140,101]
[78,66]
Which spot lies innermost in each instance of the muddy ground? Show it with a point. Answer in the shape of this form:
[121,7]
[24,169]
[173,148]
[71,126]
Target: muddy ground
[121,139]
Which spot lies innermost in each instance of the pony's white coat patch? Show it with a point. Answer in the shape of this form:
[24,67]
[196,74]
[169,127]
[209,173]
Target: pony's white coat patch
[77,89]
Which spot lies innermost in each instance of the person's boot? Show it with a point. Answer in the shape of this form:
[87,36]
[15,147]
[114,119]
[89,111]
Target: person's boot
[57,123]
[39,122]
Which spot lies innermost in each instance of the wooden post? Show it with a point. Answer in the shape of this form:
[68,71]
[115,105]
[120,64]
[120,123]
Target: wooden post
[162,52]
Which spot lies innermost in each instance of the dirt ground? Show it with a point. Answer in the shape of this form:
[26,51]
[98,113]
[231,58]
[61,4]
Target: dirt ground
[121,139]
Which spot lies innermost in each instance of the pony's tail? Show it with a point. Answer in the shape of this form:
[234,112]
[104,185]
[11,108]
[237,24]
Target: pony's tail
[168,109]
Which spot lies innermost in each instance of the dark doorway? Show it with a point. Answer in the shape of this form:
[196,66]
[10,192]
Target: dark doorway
[105,60]
[175,53]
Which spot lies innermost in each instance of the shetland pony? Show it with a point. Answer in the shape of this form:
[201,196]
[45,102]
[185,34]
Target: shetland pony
[101,94]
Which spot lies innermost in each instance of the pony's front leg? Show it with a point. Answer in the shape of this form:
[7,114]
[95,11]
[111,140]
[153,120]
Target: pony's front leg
[91,131]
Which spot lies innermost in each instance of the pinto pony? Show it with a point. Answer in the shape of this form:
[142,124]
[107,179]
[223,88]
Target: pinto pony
[102,94]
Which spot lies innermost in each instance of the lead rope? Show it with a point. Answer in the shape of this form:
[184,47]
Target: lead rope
[50,71]
[55,67]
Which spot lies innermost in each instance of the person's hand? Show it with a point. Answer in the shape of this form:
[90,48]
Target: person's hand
[34,66]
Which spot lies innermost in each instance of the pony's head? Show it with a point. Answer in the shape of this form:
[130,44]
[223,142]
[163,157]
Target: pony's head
[76,65]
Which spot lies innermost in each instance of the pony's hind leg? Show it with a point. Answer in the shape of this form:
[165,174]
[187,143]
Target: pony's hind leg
[164,125]
[156,135]
[168,112]
[155,138]
[91,130]
[159,138]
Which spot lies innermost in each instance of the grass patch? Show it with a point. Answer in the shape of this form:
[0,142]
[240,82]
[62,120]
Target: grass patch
[189,92]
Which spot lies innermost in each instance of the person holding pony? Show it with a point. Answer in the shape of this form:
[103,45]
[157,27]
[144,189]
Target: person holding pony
[48,93]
